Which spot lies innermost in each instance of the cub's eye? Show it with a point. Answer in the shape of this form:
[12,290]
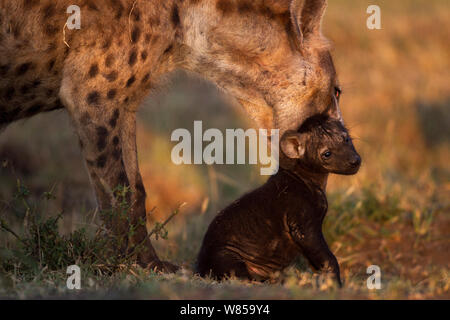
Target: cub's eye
[326,154]
[337,92]
[347,139]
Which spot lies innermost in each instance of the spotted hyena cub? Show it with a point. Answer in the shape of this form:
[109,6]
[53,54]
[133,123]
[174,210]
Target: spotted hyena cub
[265,230]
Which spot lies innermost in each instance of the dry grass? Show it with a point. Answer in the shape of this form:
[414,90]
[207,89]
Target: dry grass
[394,213]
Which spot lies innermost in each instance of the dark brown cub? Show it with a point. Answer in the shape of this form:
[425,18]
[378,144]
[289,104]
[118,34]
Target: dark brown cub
[265,230]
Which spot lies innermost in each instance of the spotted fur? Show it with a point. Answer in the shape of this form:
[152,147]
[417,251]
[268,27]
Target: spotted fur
[268,54]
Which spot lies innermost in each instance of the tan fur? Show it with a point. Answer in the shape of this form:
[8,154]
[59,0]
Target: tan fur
[274,61]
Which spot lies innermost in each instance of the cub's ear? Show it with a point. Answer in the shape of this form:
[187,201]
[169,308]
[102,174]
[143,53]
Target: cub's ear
[293,144]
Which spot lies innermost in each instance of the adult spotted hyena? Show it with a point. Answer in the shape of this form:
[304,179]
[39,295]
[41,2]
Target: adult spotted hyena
[268,54]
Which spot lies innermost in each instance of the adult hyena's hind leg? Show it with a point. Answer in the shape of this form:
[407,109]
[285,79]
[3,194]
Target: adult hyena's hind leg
[107,134]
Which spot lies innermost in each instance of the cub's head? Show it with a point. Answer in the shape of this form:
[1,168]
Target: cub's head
[322,145]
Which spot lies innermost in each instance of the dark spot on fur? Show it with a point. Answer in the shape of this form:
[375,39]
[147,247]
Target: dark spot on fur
[144,55]
[135,34]
[51,64]
[112,76]
[93,71]
[4,69]
[36,83]
[133,58]
[265,11]
[48,11]
[118,7]
[136,14]
[146,78]
[101,161]
[123,179]
[109,60]
[131,81]
[111,94]
[116,140]
[92,6]
[106,45]
[148,37]
[23,68]
[225,6]
[102,136]
[168,49]
[93,98]
[16,31]
[245,7]
[114,118]
[175,16]
[118,14]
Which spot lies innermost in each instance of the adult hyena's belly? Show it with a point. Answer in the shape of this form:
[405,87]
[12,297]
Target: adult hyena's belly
[31,59]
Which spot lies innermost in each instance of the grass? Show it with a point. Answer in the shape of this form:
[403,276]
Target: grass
[394,213]
[362,229]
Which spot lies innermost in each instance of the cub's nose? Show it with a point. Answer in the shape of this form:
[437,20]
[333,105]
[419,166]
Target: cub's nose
[356,161]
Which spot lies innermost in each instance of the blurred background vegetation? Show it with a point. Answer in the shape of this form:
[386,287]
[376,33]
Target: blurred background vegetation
[394,213]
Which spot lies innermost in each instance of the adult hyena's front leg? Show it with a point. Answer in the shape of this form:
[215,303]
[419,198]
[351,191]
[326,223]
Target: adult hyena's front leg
[107,134]
[129,155]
